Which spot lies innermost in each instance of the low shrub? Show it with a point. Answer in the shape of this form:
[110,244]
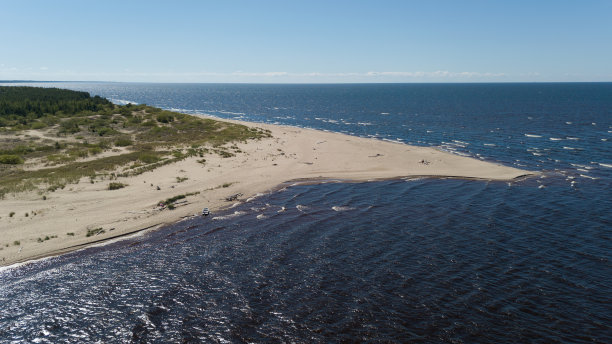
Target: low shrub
[148,158]
[95,231]
[123,142]
[116,186]
[165,117]
[10,159]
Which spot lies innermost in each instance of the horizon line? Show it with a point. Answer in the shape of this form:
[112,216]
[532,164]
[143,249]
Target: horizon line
[303,83]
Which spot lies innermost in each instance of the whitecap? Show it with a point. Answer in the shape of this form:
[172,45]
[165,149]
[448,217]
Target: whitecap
[555,139]
[301,207]
[261,217]
[344,208]
[489,144]
[225,217]
[568,122]
[123,101]
[585,176]
[568,148]
[281,210]
[254,197]
[605,165]
[532,135]
[573,138]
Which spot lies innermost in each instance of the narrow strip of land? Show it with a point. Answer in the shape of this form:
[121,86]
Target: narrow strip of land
[87,212]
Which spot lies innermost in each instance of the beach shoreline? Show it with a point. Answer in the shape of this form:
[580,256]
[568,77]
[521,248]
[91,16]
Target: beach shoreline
[291,155]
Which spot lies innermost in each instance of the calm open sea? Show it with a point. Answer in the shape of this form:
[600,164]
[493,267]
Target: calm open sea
[415,260]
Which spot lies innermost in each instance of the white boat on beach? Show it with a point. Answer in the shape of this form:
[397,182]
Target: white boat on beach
[205,212]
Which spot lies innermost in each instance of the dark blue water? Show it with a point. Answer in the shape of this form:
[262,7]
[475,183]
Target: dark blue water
[424,260]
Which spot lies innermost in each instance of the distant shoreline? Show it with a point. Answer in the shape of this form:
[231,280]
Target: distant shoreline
[302,83]
[291,154]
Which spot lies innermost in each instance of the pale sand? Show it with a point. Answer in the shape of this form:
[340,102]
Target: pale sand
[292,154]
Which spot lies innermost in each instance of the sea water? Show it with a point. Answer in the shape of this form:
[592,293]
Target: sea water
[408,260]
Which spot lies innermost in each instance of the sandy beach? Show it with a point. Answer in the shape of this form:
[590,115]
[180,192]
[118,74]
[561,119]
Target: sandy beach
[60,222]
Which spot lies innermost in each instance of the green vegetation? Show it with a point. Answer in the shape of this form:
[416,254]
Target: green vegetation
[123,142]
[181,179]
[72,128]
[170,201]
[116,186]
[11,214]
[10,159]
[70,234]
[46,238]
[95,231]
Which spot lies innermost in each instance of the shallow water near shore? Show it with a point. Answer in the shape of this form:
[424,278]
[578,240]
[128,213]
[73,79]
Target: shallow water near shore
[425,260]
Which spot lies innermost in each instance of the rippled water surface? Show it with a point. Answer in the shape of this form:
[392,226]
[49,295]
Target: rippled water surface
[428,260]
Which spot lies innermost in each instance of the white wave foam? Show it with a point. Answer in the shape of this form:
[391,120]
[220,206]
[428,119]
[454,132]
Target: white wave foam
[555,139]
[489,144]
[254,197]
[585,176]
[568,122]
[569,148]
[573,138]
[282,209]
[532,135]
[122,101]
[301,207]
[337,208]
[225,217]
[605,165]
[413,179]
[232,113]
[261,217]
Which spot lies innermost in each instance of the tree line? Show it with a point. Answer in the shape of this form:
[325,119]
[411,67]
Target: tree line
[26,104]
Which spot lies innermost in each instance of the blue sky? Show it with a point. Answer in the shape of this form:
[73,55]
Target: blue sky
[306,41]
